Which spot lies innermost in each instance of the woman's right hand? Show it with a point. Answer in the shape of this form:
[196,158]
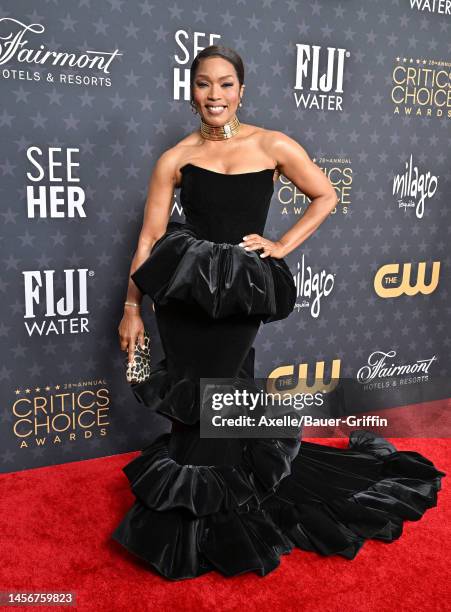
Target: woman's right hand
[131,332]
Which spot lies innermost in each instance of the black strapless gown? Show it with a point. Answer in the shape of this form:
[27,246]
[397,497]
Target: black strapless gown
[237,505]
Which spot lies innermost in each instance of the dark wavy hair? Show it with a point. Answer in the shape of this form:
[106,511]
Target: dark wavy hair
[217,51]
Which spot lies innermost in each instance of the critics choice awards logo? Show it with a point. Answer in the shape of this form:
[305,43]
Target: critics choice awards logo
[421,87]
[55,414]
[339,172]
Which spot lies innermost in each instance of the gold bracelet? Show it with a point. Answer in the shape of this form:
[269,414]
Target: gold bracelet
[132,304]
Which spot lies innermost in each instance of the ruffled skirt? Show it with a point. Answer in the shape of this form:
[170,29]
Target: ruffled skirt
[235,505]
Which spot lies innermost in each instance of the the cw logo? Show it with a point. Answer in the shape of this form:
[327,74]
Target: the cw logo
[289,386]
[405,286]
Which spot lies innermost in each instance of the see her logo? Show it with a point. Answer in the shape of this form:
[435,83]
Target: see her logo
[52,192]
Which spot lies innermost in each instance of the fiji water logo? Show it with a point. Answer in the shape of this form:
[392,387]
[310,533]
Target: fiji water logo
[324,88]
[432,6]
[56,305]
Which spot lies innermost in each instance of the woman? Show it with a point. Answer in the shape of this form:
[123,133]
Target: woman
[235,505]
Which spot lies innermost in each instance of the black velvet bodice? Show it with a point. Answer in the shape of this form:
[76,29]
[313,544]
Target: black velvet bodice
[225,207]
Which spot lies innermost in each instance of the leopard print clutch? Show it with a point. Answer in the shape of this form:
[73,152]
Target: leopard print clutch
[139,369]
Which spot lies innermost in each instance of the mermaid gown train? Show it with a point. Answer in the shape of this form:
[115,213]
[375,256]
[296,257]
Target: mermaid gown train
[236,505]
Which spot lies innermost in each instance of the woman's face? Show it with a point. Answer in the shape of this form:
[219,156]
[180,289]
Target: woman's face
[216,90]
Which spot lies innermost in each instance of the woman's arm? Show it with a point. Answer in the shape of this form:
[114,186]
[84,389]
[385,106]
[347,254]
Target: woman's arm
[294,163]
[156,215]
[157,212]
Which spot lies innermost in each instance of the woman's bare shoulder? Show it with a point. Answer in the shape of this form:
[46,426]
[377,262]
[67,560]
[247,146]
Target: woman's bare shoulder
[170,160]
[278,144]
[185,145]
[274,137]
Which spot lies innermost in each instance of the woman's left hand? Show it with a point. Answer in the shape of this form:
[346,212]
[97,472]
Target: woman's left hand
[254,242]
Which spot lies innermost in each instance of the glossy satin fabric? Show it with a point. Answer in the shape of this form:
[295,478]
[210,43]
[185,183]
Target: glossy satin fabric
[235,505]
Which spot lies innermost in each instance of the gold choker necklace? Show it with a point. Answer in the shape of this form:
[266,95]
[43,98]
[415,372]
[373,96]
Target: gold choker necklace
[220,132]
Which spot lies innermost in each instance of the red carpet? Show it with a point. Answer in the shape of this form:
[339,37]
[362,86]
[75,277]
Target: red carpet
[56,521]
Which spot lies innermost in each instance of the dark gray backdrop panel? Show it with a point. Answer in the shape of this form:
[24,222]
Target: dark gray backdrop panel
[122,127]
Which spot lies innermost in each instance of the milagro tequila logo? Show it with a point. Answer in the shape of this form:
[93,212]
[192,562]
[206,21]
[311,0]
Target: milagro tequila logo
[312,287]
[14,46]
[432,6]
[323,89]
[378,367]
[56,315]
[412,184]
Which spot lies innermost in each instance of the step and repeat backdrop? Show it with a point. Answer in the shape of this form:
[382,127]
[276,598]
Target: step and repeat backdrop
[94,92]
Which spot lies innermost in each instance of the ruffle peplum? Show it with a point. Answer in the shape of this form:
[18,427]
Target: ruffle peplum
[219,277]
